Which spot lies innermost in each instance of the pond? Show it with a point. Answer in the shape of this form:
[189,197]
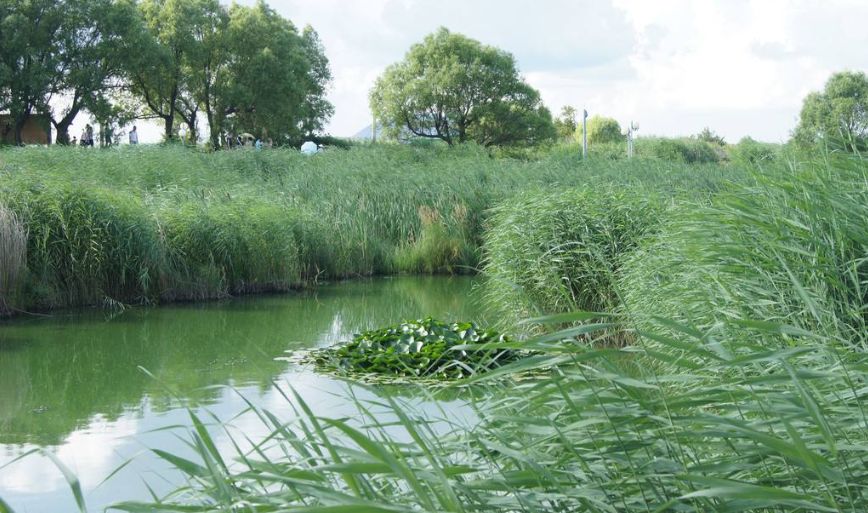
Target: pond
[99,390]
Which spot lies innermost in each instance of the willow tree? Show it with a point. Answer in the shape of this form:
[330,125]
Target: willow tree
[837,114]
[98,37]
[456,89]
[156,70]
[30,57]
[274,81]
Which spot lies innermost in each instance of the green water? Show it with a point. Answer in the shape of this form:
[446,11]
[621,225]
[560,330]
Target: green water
[98,389]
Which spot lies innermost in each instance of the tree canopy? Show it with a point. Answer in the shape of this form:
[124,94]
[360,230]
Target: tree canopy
[246,68]
[456,89]
[565,123]
[837,114]
[602,130]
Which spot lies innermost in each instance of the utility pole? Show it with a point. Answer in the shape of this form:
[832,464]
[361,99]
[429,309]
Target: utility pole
[630,132]
[584,134]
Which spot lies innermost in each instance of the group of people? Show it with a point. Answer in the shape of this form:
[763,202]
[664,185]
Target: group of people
[231,141]
[86,136]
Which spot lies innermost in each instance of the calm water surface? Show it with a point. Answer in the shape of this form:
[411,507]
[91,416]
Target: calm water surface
[99,390]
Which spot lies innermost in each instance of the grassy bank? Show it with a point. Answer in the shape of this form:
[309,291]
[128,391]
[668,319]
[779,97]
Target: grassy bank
[145,225]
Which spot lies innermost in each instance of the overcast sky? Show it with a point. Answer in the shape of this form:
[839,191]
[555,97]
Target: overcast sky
[741,67]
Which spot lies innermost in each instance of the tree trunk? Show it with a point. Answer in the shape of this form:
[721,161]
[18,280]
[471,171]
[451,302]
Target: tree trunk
[214,134]
[192,132]
[20,121]
[169,122]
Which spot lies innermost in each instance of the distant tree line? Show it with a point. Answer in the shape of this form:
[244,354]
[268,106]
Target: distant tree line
[241,69]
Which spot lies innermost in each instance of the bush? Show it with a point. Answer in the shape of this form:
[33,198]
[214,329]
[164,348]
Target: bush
[688,151]
[556,252]
[602,130]
[751,153]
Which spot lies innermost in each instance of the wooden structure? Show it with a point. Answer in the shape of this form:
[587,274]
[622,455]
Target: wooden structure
[37,129]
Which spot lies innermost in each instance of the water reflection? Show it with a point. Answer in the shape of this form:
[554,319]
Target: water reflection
[73,383]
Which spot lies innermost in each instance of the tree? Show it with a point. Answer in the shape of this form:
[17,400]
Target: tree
[453,88]
[204,66]
[602,130]
[838,113]
[98,36]
[317,110]
[156,71]
[275,80]
[31,66]
[565,124]
[708,135]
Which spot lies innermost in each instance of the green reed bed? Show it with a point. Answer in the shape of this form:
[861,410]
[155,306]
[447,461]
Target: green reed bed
[792,248]
[743,387]
[554,252]
[755,428]
[13,254]
[758,405]
[147,224]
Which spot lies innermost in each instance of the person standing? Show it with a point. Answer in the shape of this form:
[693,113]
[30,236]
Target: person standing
[134,136]
[89,132]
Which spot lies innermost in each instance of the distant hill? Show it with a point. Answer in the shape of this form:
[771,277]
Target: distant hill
[365,133]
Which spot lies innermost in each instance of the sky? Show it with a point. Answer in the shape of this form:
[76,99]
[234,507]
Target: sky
[740,67]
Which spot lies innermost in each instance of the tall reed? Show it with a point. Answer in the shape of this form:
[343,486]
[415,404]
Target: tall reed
[552,252]
[13,254]
[791,248]
[165,223]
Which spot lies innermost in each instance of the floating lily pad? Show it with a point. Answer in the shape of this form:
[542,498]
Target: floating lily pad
[421,348]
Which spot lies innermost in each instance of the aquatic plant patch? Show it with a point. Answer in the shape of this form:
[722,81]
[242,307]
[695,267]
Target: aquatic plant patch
[423,348]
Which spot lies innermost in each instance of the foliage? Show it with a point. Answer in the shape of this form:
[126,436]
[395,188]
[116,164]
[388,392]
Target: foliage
[86,244]
[751,152]
[442,246]
[246,68]
[602,130]
[708,135]
[453,88]
[346,212]
[750,429]
[743,388]
[275,77]
[13,253]
[551,252]
[30,62]
[156,69]
[565,123]
[422,348]
[837,114]
[689,151]
[316,109]
[237,247]
[788,248]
